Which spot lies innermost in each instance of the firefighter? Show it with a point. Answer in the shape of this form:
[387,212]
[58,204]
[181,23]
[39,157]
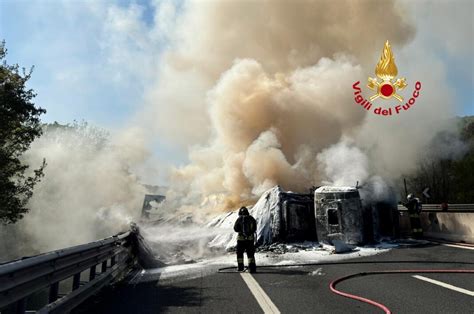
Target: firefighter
[246,226]
[414,209]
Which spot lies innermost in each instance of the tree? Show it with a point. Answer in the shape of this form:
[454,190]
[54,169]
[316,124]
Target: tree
[19,126]
[448,177]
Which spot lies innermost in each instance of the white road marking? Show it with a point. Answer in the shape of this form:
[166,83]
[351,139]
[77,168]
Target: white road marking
[445,285]
[459,246]
[262,298]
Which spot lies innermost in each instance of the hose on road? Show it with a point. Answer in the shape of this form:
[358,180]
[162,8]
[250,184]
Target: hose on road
[333,284]
[232,269]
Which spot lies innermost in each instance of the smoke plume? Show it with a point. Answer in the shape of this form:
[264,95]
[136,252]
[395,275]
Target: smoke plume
[260,94]
[88,191]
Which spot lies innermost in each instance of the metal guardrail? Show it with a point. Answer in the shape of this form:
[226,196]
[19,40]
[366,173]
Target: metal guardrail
[22,278]
[453,208]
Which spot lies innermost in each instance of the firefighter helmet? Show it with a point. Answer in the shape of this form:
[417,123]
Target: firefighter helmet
[243,211]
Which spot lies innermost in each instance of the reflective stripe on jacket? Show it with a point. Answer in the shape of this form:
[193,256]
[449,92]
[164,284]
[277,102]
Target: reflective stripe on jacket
[241,237]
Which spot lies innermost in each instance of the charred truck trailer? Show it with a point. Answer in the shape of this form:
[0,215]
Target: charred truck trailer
[324,214]
[297,220]
[333,213]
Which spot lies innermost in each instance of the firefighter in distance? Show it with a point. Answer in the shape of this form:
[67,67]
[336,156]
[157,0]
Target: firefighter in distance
[413,205]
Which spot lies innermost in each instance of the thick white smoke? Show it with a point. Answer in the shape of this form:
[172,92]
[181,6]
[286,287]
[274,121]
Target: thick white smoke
[267,130]
[88,191]
[259,93]
[262,97]
[279,35]
[344,164]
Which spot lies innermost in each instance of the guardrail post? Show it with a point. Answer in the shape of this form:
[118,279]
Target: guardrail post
[76,281]
[53,292]
[92,273]
[104,267]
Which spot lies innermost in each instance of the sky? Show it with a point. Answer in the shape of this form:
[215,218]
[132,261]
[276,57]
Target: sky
[95,60]
[83,55]
[92,60]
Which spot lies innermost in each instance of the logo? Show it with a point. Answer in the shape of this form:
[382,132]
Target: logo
[386,70]
[386,86]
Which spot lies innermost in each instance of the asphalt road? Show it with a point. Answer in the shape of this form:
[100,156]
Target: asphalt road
[306,289]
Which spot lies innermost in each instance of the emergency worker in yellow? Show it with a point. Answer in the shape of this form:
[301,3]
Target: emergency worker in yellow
[246,226]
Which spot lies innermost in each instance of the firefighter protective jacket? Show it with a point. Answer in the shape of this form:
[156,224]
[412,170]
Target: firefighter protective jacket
[238,228]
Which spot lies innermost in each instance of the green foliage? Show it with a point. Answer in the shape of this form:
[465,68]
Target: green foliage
[19,126]
[466,125]
[95,136]
[451,178]
[463,169]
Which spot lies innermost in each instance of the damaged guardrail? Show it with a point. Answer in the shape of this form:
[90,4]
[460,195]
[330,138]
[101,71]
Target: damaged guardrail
[116,255]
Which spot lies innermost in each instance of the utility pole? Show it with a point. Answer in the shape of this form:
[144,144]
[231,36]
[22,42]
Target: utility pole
[406,190]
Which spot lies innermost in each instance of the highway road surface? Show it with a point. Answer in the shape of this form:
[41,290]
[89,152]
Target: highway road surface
[306,289]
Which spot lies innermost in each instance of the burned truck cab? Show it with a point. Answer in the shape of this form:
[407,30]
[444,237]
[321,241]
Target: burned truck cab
[339,214]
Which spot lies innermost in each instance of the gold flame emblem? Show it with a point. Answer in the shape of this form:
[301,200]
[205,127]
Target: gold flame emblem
[386,71]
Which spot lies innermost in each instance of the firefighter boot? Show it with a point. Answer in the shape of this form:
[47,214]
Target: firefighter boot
[252,266]
[240,264]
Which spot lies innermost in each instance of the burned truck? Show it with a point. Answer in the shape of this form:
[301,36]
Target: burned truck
[284,217]
[325,214]
[298,219]
[339,215]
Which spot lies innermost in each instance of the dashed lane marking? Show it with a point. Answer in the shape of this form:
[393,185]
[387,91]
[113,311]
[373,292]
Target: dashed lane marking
[459,246]
[445,285]
[262,298]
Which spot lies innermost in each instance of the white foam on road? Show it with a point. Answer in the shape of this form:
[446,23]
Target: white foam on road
[210,266]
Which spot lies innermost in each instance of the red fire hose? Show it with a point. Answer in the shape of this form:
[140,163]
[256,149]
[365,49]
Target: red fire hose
[333,284]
